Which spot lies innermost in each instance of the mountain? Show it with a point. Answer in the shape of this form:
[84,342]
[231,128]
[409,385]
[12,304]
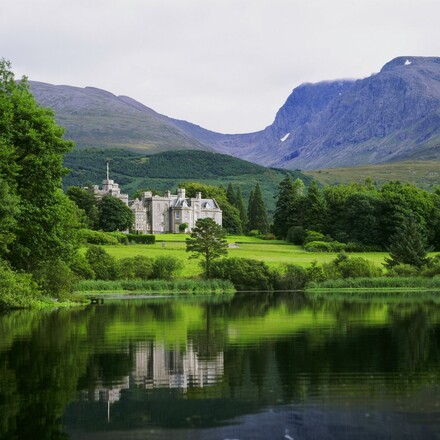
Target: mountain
[97,118]
[391,116]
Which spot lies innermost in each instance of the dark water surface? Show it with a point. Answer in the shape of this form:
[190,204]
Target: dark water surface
[253,367]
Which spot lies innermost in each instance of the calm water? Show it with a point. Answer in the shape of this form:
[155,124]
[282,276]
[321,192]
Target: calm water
[255,367]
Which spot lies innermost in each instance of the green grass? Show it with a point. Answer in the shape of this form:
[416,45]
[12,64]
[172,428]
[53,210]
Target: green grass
[274,253]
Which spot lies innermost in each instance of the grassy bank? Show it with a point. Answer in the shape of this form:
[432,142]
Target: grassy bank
[274,253]
[163,287]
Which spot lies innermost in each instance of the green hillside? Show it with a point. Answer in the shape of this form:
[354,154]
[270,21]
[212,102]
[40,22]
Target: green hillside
[164,171]
[424,174]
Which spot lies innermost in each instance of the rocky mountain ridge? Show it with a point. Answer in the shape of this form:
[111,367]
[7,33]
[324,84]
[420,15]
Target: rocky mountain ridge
[392,115]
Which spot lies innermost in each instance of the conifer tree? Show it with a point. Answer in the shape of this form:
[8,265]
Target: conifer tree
[239,204]
[408,245]
[284,206]
[315,209]
[257,212]
[230,195]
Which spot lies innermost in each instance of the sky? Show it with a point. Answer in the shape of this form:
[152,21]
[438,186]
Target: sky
[227,65]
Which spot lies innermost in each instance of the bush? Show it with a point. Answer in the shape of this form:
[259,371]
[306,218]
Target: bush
[141,238]
[315,273]
[318,246]
[314,236]
[351,267]
[183,227]
[96,237]
[102,264]
[296,235]
[81,268]
[294,278]
[137,267]
[120,236]
[268,236]
[16,290]
[244,273]
[166,267]
[359,247]
[55,278]
[404,270]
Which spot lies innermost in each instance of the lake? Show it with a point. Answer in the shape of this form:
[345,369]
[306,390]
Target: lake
[261,366]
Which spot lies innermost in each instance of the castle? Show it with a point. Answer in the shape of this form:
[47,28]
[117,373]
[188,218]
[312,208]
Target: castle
[161,214]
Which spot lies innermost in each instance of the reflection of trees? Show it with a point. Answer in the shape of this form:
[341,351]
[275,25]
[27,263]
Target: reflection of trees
[412,329]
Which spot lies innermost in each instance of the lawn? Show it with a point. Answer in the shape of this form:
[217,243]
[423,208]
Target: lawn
[274,253]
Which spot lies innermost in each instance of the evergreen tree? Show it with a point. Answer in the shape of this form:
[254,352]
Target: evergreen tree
[257,212]
[230,195]
[241,209]
[408,245]
[283,208]
[315,209]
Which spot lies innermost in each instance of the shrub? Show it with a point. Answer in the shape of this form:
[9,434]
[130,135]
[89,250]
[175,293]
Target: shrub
[96,237]
[55,278]
[141,238]
[244,273]
[137,267]
[120,236]
[102,264]
[16,290]
[81,268]
[268,236]
[404,270]
[318,246]
[294,278]
[351,267]
[315,273]
[166,267]
[296,235]
[183,227]
[314,236]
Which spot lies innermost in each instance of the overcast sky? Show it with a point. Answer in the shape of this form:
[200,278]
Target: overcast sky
[227,65]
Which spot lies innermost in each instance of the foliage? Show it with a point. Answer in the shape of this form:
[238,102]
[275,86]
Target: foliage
[183,227]
[244,273]
[85,199]
[294,277]
[56,278]
[97,237]
[16,290]
[102,264]
[207,241]
[287,193]
[114,214]
[408,245]
[344,266]
[318,246]
[38,220]
[296,235]
[166,267]
[141,238]
[257,213]
[137,267]
[180,287]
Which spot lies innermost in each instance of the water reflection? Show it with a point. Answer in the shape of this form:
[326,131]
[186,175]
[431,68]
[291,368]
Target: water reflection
[241,368]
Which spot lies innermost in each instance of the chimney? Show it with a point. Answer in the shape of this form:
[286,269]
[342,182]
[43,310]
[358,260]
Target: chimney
[181,193]
[198,195]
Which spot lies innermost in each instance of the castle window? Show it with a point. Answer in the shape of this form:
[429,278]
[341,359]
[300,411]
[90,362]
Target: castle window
[177,215]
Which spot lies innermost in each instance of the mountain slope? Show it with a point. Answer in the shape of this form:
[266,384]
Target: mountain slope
[391,116]
[96,118]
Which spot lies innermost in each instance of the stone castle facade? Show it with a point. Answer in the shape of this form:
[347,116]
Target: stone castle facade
[161,214]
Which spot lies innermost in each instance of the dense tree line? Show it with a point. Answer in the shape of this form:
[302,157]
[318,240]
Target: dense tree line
[38,223]
[355,213]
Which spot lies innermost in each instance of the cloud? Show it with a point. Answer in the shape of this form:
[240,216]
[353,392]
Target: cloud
[227,65]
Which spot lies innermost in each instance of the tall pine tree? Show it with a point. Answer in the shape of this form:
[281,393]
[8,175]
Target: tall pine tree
[257,212]
[230,195]
[283,208]
[315,209]
[239,204]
